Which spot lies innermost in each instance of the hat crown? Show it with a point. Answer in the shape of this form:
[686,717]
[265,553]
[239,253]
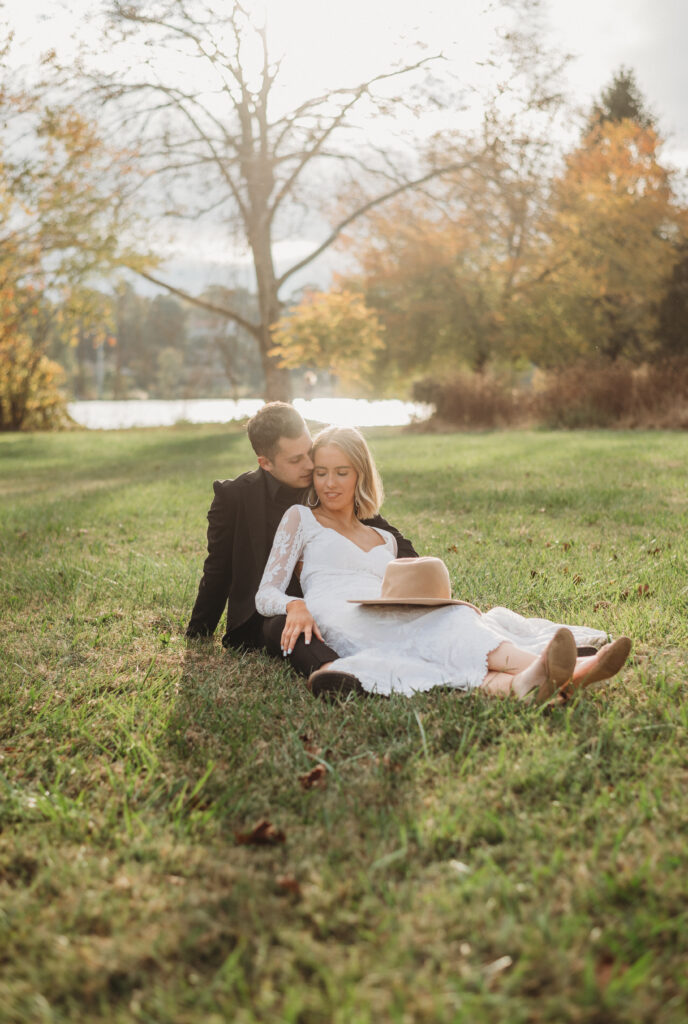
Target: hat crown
[411,579]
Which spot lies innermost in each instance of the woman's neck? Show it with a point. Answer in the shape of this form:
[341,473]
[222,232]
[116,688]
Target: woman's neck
[342,518]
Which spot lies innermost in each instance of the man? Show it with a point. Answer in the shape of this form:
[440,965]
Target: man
[242,521]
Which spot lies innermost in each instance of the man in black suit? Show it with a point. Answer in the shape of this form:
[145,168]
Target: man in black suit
[242,521]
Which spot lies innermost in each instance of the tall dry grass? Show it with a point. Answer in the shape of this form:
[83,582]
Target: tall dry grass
[585,394]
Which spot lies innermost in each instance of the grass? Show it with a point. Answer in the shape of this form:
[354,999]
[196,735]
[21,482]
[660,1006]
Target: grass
[453,860]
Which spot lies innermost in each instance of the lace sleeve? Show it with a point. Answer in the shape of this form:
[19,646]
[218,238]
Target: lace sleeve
[287,547]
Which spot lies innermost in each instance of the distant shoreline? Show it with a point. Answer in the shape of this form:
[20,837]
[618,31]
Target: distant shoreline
[122,414]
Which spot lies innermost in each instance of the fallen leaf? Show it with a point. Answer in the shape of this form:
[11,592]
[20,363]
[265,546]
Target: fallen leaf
[309,745]
[287,883]
[654,551]
[578,578]
[601,604]
[263,833]
[567,544]
[643,589]
[316,777]
[452,547]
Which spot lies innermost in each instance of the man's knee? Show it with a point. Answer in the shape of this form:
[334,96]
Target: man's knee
[272,634]
[305,658]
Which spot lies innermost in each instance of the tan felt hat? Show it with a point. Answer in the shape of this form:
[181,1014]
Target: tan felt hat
[422,581]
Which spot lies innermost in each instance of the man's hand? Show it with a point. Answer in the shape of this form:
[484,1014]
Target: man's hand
[299,620]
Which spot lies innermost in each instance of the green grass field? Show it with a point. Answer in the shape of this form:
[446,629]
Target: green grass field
[456,859]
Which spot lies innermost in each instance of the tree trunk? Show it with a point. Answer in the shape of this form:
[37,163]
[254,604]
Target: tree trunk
[277,387]
[277,381]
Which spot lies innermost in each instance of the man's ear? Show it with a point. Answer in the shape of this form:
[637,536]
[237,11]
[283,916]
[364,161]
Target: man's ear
[265,463]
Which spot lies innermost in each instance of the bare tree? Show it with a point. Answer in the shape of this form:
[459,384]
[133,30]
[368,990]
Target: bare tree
[253,161]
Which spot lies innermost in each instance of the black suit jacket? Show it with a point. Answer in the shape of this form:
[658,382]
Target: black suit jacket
[241,526]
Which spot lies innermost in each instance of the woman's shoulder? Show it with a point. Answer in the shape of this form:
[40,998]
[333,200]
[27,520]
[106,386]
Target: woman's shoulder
[388,537]
[298,515]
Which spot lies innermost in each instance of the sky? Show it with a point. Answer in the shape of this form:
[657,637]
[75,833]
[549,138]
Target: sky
[329,43]
[650,36]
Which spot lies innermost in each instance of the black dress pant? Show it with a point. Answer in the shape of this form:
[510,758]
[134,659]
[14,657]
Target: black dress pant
[305,658]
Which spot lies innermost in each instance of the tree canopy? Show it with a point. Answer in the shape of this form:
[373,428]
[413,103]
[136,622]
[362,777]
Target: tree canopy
[230,151]
[62,201]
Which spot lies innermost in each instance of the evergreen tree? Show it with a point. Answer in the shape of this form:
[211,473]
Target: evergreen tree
[621,100]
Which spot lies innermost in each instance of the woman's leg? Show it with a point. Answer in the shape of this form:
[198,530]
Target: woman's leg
[503,664]
[512,671]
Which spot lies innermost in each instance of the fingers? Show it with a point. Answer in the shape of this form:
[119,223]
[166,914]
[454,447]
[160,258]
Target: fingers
[293,630]
[289,637]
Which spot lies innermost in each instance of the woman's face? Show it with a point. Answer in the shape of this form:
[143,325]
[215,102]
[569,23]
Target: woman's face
[334,478]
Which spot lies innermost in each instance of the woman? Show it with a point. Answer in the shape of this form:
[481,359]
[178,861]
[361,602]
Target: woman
[394,647]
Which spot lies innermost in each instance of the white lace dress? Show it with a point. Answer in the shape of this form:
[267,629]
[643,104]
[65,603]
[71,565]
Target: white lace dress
[394,649]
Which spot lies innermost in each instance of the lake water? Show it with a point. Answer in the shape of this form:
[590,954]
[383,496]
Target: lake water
[150,412]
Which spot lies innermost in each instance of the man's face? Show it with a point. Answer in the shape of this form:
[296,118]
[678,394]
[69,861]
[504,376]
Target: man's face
[291,464]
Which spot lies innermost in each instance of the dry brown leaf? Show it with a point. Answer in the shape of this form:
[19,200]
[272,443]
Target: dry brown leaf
[289,884]
[316,777]
[263,833]
[309,745]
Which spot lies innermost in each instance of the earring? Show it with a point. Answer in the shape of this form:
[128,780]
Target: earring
[312,504]
[356,508]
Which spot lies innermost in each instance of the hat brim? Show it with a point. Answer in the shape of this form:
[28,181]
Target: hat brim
[427,602]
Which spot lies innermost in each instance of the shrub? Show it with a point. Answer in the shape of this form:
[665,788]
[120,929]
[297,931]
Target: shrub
[586,394]
[470,400]
[30,398]
[604,394]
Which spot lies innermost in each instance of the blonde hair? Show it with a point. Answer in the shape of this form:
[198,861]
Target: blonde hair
[369,493]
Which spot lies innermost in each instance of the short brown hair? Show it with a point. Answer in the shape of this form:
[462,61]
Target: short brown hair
[368,494]
[272,421]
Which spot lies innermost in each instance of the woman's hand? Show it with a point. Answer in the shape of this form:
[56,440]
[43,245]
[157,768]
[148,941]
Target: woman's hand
[299,620]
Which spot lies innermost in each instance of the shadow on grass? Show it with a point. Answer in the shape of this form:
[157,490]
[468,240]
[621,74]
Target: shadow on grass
[123,460]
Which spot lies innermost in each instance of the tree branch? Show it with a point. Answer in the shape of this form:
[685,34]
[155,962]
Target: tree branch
[336,232]
[228,314]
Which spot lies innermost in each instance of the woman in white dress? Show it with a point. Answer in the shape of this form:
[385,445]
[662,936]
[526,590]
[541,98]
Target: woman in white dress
[393,647]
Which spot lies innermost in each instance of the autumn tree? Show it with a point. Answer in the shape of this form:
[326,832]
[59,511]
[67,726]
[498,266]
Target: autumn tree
[443,269]
[612,233]
[62,196]
[445,266]
[228,150]
[672,327]
[332,331]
